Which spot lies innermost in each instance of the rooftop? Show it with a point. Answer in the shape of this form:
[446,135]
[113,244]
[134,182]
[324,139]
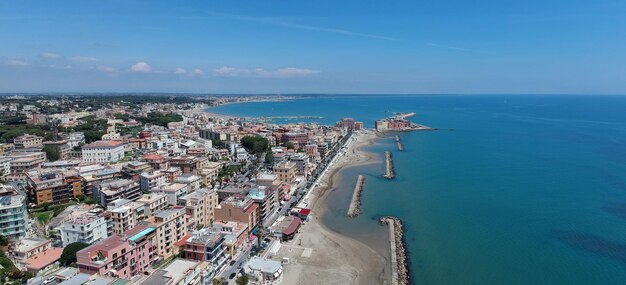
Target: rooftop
[263,265]
[104,144]
[43,259]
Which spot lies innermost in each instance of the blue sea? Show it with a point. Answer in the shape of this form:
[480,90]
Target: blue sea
[511,189]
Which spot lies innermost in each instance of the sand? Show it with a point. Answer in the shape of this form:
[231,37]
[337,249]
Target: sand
[319,255]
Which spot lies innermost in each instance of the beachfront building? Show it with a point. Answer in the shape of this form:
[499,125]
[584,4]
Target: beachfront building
[179,272]
[200,205]
[265,198]
[13,213]
[170,228]
[286,171]
[239,209]
[261,271]
[120,256]
[287,227]
[28,141]
[109,191]
[206,245]
[103,151]
[87,229]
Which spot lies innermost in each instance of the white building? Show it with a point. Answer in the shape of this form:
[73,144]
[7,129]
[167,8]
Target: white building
[148,181]
[263,271]
[193,181]
[86,229]
[103,151]
[12,212]
[76,139]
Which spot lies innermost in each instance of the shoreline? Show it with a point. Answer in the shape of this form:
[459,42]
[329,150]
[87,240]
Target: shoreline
[338,258]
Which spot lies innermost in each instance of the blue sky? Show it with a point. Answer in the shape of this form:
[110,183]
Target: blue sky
[314,46]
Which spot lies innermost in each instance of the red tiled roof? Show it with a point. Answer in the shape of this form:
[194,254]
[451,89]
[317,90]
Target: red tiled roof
[43,259]
[183,240]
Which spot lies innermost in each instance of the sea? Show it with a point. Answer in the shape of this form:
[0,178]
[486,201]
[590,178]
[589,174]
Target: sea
[511,189]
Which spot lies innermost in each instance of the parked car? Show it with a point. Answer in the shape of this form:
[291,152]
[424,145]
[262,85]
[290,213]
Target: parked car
[232,275]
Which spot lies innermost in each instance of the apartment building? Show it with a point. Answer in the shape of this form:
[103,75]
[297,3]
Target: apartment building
[206,245]
[134,169]
[200,205]
[174,192]
[189,164]
[235,235]
[148,181]
[75,139]
[22,162]
[209,173]
[238,208]
[93,175]
[179,272]
[265,198]
[121,256]
[109,191]
[125,215]
[13,213]
[153,203]
[87,229]
[286,171]
[191,180]
[28,141]
[170,228]
[53,186]
[156,161]
[103,151]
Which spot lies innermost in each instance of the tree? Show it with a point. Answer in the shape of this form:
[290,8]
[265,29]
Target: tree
[52,152]
[218,144]
[255,144]
[269,157]
[4,241]
[289,145]
[242,280]
[68,256]
[219,281]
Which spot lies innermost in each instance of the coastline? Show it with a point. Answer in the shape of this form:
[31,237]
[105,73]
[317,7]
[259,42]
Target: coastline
[336,258]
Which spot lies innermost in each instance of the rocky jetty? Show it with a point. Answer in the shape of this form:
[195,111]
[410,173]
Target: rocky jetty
[399,258]
[355,204]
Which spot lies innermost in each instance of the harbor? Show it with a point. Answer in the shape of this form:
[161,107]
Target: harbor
[355,204]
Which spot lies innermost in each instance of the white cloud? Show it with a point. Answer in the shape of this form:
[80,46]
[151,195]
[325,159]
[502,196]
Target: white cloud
[49,55]
[17,62]
[105,68]
[80,58]
[140,67]
[198,71]
[180,70]
[288,72]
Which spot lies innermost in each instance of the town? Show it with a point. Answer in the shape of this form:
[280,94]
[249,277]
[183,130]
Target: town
[152,189]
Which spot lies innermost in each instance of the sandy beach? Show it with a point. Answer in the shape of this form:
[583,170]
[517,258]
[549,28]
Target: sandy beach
[319,255]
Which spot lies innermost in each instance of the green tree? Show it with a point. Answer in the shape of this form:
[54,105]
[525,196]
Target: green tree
[219,281]
[289,145]
[242,280]
[255,144]
[52,152]
[269,157]
[68,256]
[218,144]
[4,241]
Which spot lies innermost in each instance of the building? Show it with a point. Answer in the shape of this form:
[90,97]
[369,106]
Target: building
[53,186]
[261,271]
[189,164]
[61,147]
[174,192]
[205,245]
[134,169]
[200,205]
[28,141]
[179,272]
[209,173]
[265,198]
[13,213]
[238,208]
[156,161]
[153,203]
[26,248]
[22,162]
[235,235]
[148,181]
[103,151]
[76,139]
[93,175]
[286,171]
[350,124]
[109,191]
[120,256]
[191,180]
[87,229]
[287,227]
[125,215]
[170,227]
[302,161]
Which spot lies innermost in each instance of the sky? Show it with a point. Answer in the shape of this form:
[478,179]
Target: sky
[280,47]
